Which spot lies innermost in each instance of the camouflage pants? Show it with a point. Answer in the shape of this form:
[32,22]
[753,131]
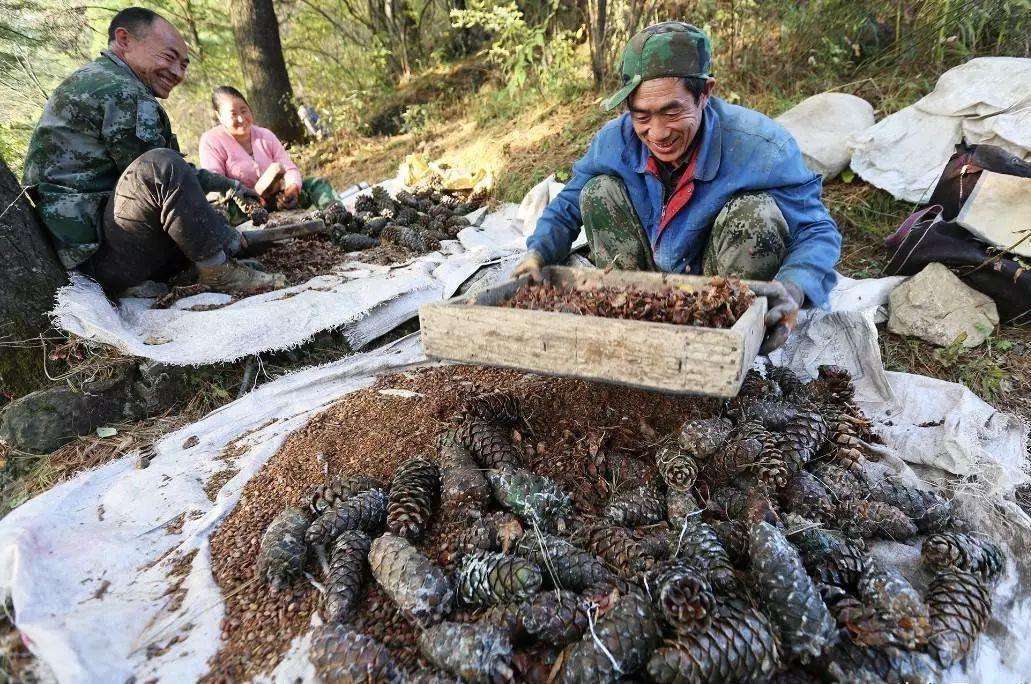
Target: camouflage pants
[748,239]
[156,223]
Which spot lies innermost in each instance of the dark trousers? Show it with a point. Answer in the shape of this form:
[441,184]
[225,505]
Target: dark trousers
[156,223]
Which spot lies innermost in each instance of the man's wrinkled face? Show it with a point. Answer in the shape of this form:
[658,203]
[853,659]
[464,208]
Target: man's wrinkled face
[666,116]
[159,56]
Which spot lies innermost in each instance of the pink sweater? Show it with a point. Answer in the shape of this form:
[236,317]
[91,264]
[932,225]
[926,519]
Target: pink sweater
[220,153]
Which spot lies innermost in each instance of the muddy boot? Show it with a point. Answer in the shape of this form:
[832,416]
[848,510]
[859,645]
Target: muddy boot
[233,277]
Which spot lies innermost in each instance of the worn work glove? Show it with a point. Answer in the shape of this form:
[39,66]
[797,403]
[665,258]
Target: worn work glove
[245,193]
[531,265]
[783,299]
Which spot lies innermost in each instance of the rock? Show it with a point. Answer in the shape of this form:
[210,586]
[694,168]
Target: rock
[822,125]
[938,307]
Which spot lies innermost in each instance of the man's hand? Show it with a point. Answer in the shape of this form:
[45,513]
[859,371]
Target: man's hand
[783,299]
[245,193]
[531,265]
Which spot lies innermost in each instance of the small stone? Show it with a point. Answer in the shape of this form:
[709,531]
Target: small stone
[936,306]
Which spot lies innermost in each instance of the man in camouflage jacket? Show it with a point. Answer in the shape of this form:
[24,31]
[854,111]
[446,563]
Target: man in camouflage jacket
[111,184]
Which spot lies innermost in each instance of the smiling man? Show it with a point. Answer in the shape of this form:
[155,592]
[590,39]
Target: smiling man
[684,182]
[109,181]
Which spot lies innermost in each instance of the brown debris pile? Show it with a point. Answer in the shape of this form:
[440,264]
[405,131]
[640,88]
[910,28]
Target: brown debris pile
[301,259]
[592,533]
[717,306]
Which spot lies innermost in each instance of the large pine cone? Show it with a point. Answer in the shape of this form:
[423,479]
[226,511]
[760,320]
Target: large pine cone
[499,407]
[679,505]
[413,497]
[772,415]
[487,578]
[959,551]
[837,382]
[340,489]
[677,467]
[930,511]
[534,498]
[805,625]
[489,444]
[474,652]
[960,604]
[806,496]
[463,486]
[698,546]
[898,614]
[802,438]
[842,482]
[740,645]
[366,511]
[508,617]
[415,584]
[828,557]
[851,662]
[342,655]
[682,597]
[283,550]
[616,546]
[636,505]
[703,437]
[786,379]
[742,451]
[733,535]
[565,564]
[348,568]
[873,519]
[556,617]
[617,647]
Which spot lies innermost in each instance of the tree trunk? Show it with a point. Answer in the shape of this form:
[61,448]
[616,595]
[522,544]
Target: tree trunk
[256,30]
[29,276]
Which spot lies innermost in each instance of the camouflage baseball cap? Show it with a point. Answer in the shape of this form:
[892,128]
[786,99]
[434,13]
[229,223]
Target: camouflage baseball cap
[672,48]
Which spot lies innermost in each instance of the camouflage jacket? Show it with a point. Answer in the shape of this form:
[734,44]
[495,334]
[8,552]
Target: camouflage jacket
[97,121]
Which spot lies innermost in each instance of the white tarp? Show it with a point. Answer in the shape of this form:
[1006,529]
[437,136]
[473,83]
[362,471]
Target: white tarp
[822,125]
[363,301]
[86,564]
[987,100]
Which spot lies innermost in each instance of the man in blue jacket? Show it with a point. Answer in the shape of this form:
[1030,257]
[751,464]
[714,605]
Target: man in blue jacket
[685,183]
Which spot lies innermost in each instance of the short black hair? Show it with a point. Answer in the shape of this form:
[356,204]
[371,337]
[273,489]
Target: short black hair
[228,91]
[695,86]
[135,20]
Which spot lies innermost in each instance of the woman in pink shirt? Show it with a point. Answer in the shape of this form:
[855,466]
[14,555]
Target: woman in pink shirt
[238,149]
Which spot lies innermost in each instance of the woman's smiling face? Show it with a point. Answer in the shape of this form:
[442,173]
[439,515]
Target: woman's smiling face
[234,115]
[666,116]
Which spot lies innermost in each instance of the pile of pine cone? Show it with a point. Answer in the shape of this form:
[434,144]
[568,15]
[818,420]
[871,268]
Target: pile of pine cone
[744,560]
[417,221]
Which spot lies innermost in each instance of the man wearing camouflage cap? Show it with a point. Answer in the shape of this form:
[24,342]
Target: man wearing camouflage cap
[684,182]
[109,181]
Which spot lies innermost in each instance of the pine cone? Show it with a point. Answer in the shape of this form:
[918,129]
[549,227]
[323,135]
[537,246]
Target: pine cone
[406,198]
[493,532]
[960,604]
[870,519]
[499,407]
[899,616]
[806,496]
[365,511]
[802,438]
[340,489]
[739,645]
[655,540]
[354,242]
[415,584]
[838,383]
[743,450]
[678,469]
[463,486]
[617,647]
[733,535]
[283,550]
[364,203]
[755,386]
[730,500]
[474,652]
[382,198]
[490,444]
[407,217]
[959,551]
[565,565]
[702,438]
[772,415]
[615,546]
[348,568]
[508,617]
[534,498]
[771,467]
[827,557]
[486,578]
[847,610]
[556,617]
[791,599]
[343,656]
[930,511]
[842,482]
[375,227]
[633,506]
[413,497]
[786,379]
[698,547]
[678,506]
[851,662]
[682,597]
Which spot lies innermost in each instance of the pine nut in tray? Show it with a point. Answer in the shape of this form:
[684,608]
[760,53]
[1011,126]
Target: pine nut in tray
[674,333]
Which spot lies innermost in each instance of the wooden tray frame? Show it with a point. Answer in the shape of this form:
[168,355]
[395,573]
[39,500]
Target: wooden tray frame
[657,356]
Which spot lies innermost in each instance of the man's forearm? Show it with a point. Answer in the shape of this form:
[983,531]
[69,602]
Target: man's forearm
[214,182]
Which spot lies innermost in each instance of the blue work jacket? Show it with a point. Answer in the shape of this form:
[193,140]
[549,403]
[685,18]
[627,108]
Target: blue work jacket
[740,150]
